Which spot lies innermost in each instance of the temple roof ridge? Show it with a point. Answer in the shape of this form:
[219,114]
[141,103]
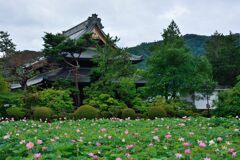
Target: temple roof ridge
[84,26]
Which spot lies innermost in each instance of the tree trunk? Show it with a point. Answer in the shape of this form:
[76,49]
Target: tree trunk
[23,83]
[77,96]
[193,97]
[166,93]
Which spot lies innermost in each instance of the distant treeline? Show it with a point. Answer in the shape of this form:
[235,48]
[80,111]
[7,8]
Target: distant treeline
[195,42]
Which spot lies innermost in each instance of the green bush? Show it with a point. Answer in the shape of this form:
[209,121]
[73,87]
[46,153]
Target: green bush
[105,114]
[228,103]
[31,99]
[173,108]
[104,102]
[156,112]
[16,112]
[139,115]
[128,112]
[115,112]
[126,90]
[9,100]
[139,105]
[86,111]
[58,100]
[42,113]
[4,88]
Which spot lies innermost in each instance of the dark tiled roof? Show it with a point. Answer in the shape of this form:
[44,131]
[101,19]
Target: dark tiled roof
[90,53]
[84,27]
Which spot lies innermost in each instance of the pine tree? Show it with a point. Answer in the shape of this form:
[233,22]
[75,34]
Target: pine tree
[172,69]
[6,44]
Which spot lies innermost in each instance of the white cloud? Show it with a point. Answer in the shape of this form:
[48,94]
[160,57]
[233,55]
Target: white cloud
[134,21]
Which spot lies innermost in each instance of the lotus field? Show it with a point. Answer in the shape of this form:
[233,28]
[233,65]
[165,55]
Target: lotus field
[115,139]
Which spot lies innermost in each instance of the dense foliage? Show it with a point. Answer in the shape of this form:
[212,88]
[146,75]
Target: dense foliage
[228,103]
[4,88]
[112,72]
[6,44]
[86,111]
[172,69]
[58,100]
[196,43]
[223,53]
[67,51]
[168,139]
[108,106]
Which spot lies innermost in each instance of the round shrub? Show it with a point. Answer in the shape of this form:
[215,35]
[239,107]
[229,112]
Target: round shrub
[86,111]
[128,112]
[156,112]
[115,112]
[42,113]
[16,112]
[105,114]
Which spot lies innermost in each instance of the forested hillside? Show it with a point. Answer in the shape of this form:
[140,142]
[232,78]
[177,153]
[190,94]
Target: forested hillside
[194,42]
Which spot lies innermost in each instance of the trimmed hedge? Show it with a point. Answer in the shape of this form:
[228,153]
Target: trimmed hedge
[128,112]
[16,112]
[156,112]
[42,113]
[86,111]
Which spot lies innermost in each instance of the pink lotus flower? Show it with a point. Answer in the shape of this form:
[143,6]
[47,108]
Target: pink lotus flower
[181,139]
[90,154]
[202,144]
[44,148]
[98,144]
[37,155]
[186,144]
[219,139]
[178,155]
[95,157]
[126,131]
[156,138]
[103,129]
[130,146]
[30,145]
[128,155]
[118,158]
[206,158]
[234,154]
[39,141]
[22,141]
[230,150]
[187,151]
[109,137]
[168,136]
[150,145]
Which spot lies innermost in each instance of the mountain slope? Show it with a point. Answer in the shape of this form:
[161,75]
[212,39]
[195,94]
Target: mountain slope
[194,42]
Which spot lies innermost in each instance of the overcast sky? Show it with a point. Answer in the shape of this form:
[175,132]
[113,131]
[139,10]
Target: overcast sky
[133,21]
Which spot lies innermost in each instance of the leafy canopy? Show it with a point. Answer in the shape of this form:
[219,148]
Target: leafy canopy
[223,52]
[112,72]
[6,44]
[172,69]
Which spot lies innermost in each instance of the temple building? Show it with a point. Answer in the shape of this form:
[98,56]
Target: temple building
[91,25]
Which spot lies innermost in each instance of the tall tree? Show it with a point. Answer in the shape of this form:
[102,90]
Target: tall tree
[223,52]
[6,44]
[113,66]
[67,51]
[170,66]
[173,70]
